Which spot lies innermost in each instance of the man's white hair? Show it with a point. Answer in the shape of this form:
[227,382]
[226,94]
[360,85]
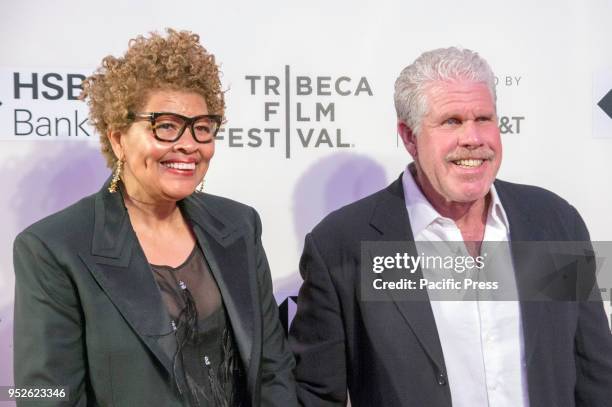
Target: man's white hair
[439,65]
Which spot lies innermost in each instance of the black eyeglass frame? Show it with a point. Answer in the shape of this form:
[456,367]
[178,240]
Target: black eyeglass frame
[188,122]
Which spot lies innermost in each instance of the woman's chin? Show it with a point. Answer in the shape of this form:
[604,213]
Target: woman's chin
[178,192]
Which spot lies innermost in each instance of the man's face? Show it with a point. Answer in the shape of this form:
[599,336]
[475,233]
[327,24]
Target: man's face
[458,151]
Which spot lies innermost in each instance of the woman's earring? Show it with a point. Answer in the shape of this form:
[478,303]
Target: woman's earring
[116,176]
[200,187]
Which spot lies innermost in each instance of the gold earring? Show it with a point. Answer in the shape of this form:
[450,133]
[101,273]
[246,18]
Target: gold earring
[112,188]
[200,187]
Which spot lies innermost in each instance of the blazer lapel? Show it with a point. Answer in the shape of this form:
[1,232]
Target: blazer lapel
[529,264]
[390,219]
[120,267]
[227,254]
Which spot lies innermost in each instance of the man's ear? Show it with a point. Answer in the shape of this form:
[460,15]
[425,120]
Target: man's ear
[114,136]
[408,137]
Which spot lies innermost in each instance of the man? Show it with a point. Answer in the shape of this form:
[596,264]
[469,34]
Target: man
[405,352]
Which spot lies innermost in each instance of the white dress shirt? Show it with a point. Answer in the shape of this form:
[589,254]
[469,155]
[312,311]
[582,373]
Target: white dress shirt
[482,341]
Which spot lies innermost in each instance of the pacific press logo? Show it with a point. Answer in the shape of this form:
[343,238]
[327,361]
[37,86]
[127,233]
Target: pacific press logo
[298,111]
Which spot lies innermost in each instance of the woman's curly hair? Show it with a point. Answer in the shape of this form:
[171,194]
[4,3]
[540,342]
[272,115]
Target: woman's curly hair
[121,85]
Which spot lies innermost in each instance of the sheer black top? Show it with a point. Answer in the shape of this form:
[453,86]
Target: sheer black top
[206,354]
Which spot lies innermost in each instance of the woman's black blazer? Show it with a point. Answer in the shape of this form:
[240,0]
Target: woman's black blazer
[89,314]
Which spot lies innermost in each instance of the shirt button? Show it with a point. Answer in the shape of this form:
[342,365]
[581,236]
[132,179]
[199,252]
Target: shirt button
[441,379]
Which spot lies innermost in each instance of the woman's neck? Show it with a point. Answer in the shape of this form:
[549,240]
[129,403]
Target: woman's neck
[151,214]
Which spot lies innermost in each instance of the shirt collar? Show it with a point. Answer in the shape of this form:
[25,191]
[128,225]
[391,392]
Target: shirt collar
[422,214]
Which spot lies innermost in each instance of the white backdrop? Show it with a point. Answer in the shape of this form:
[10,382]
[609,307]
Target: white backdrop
[552,58]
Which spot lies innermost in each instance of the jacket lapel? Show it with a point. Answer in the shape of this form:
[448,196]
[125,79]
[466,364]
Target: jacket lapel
[227,254]
[529,264]
[390,219]
[120,267]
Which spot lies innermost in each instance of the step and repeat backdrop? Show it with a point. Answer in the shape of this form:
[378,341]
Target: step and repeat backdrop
[310,119]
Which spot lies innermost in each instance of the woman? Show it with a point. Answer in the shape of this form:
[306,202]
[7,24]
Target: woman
[150,292]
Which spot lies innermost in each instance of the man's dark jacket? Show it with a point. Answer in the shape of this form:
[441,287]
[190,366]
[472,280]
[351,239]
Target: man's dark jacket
[388,353]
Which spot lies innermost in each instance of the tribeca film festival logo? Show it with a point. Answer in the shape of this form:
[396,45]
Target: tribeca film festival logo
[300,110]
[44,105]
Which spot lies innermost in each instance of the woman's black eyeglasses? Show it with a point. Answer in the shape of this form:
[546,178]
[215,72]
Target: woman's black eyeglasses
[171,126]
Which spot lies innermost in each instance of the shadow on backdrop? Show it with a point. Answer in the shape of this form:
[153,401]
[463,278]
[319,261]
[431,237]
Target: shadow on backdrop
[64,173]
[328,184]
[52,176]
